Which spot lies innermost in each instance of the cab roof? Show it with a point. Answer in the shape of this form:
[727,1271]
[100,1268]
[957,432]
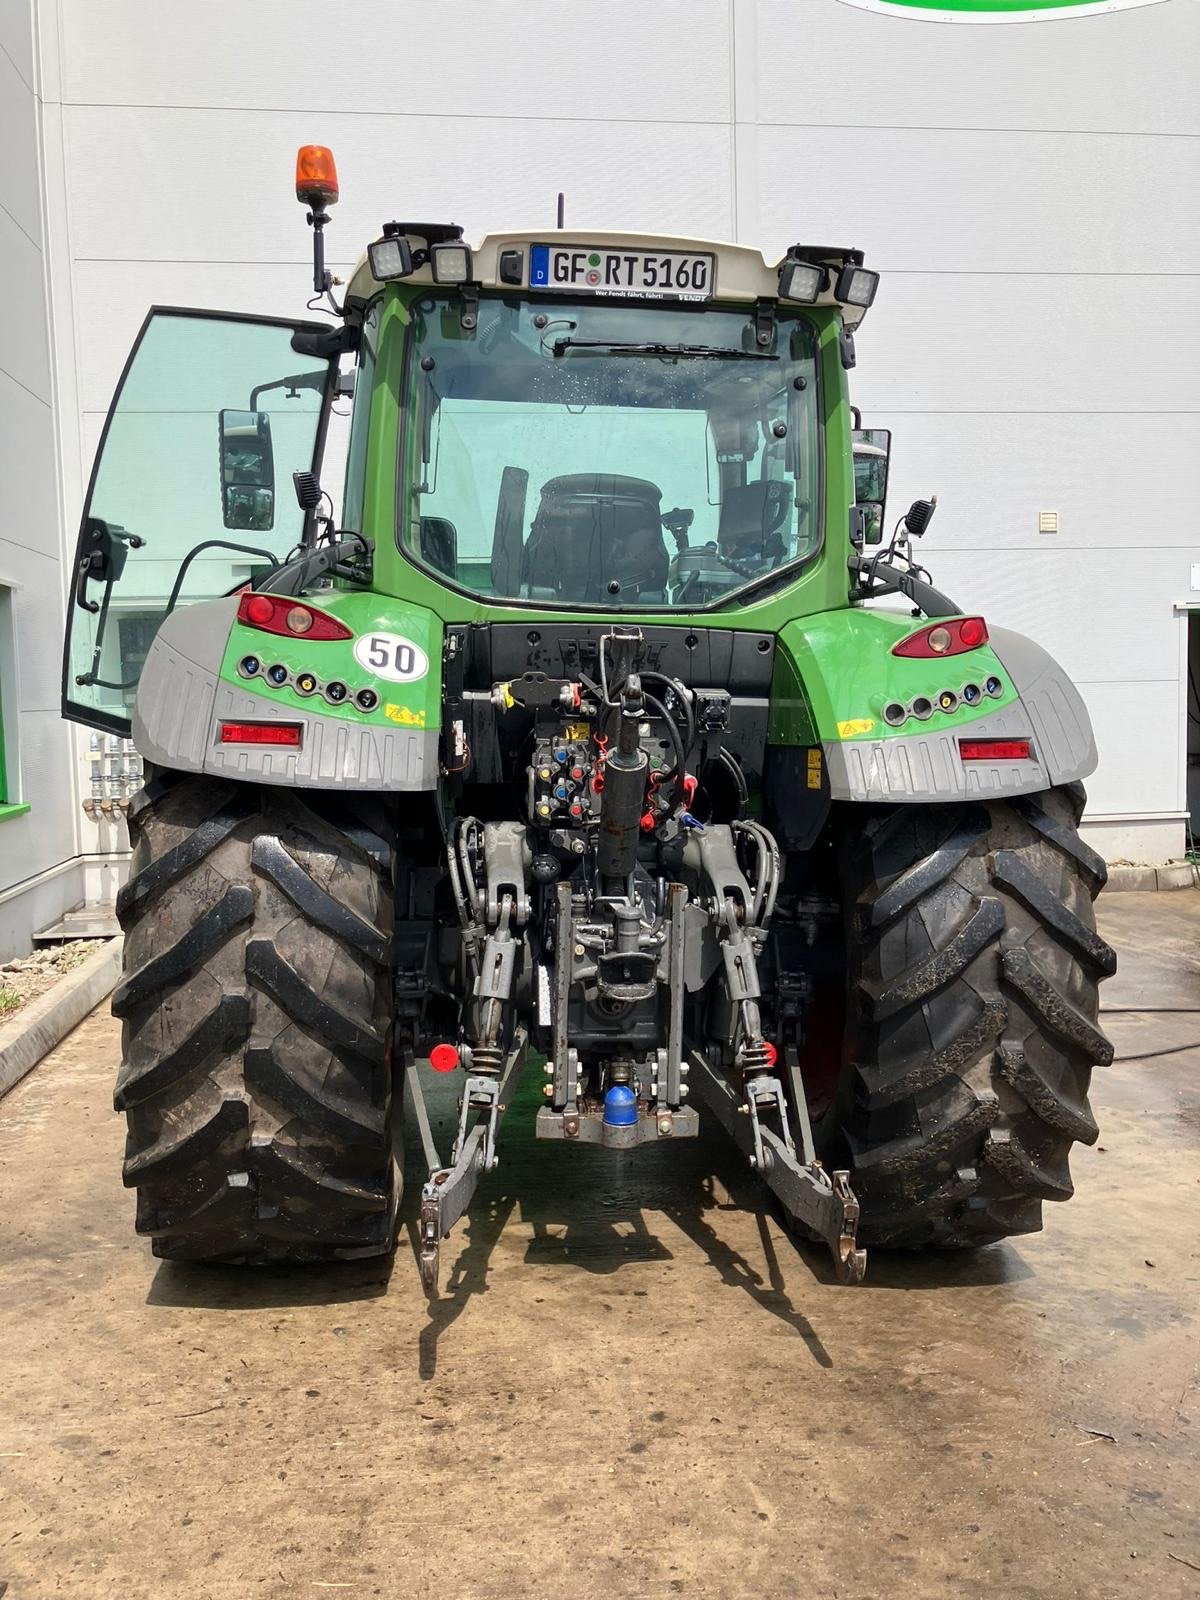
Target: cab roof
[742,273]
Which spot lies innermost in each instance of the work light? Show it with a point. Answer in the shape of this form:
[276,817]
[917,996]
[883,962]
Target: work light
[390,257]
[800,280]
[451,263]
[856,286]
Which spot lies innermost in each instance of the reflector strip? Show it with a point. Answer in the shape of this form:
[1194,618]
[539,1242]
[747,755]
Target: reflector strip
[994,750]
[287,733]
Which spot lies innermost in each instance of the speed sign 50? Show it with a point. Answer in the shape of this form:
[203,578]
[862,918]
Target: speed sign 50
[391,656]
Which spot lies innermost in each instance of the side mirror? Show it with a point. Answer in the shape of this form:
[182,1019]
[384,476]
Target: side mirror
[872,456]
[247,470]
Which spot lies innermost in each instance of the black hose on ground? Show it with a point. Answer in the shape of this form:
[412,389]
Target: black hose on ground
[1149,1055]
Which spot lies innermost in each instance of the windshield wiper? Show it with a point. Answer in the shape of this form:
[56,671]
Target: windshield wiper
[716,352]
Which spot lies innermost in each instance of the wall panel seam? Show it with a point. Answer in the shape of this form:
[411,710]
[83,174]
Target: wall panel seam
[32,393]
[619,121]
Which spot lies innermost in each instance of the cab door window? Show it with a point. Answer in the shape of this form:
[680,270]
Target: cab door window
[191,493]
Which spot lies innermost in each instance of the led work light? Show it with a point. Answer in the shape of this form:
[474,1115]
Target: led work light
[390,257]
[800,280]
[856,286]
[451,263]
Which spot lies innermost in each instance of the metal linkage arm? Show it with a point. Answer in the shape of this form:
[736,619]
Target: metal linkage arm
[824,1205]
[449,1190]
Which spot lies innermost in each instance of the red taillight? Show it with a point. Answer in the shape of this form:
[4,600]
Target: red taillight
[443,1057]
[279,613]
[994,750]
[286,733]
[949,637]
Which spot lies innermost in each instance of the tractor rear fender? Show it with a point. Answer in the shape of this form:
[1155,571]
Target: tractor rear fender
[194,681]
[838,688]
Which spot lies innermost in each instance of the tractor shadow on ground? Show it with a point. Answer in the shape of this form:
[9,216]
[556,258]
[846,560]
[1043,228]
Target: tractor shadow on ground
[988,1266]
[595,1211]
[217,1288]
[587,1209]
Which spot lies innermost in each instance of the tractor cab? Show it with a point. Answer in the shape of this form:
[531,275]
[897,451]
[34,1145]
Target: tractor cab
[612,421]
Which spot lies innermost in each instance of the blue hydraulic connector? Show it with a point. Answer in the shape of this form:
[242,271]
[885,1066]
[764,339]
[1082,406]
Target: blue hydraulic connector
[620,1106]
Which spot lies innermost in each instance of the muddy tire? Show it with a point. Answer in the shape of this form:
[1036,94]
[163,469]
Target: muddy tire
[256,1003]
[972,1031]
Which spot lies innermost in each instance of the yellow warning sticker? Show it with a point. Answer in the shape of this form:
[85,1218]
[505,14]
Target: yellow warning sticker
[577,732]
[847,730]
[814,759]
[813,775]
[405,717]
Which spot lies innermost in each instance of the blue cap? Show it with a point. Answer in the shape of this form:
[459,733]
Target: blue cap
[620,1106]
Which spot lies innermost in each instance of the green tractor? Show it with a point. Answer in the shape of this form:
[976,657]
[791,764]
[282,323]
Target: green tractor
[576,733]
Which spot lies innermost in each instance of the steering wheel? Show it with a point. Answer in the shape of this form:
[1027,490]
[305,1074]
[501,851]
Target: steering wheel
[698,577]
[743,569]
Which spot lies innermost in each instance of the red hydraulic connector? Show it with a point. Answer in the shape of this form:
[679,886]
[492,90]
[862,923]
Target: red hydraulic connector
[443,1057]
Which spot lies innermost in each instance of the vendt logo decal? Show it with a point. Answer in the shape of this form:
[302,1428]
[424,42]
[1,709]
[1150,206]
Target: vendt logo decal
[996,10]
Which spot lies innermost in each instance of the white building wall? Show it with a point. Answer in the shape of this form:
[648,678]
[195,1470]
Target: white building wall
[1026,189]
[41,874]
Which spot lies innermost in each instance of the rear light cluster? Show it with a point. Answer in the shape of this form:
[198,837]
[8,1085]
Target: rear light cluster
[950,637]
[279,613]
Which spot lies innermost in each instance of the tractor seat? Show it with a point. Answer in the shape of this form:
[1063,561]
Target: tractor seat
[593,529]
[753,517]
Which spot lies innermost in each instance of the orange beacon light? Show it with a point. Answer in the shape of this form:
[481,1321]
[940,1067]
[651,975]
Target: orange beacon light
[316,176]
[317,188]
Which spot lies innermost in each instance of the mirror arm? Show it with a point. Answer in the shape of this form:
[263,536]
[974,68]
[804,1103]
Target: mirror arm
[293,577]
[212,544]
[897,580]
[302,380]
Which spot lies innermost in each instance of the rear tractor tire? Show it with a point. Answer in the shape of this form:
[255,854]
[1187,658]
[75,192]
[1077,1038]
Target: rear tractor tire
[974,968]
[256,1004]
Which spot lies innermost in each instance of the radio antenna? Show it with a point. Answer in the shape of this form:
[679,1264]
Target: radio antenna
[562,209]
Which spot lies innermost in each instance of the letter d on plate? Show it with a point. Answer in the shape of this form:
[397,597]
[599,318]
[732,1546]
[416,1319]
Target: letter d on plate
[391,656]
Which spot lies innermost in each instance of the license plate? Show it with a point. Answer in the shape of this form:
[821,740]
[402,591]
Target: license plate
[593,269]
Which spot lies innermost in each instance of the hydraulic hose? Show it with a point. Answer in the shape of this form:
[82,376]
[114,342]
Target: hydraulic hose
[733,767]
[684,700]
[660,710]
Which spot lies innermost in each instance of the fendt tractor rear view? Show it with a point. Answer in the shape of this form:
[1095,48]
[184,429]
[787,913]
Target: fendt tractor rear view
[575,735]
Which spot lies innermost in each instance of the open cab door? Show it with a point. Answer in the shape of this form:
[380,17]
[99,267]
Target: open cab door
[191,494]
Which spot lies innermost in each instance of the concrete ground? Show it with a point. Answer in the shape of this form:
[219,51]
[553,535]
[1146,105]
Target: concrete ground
[635,1385]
